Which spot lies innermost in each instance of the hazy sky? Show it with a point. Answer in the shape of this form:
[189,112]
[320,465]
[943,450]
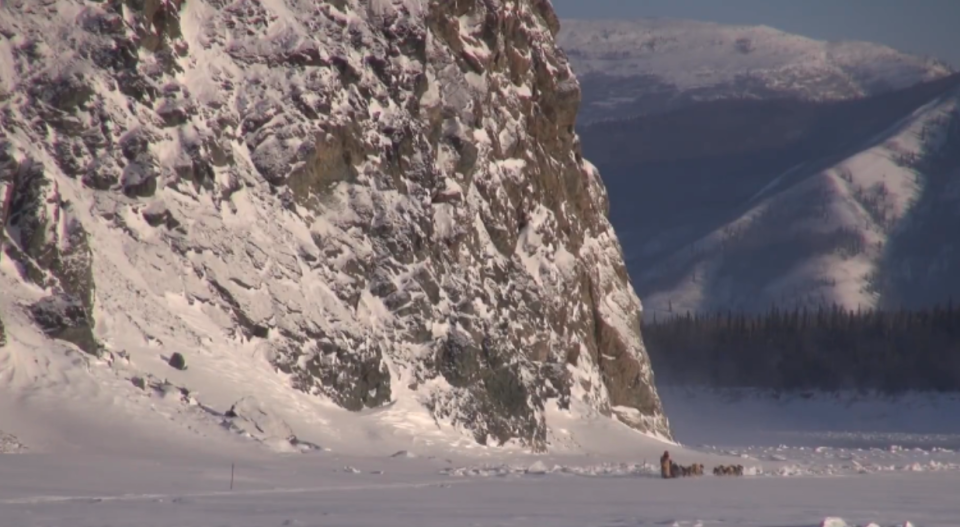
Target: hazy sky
[926,27]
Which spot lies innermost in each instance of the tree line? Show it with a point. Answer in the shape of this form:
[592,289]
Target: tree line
[829,348]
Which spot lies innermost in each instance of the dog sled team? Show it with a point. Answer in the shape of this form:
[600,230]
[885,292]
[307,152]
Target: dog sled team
[669,469]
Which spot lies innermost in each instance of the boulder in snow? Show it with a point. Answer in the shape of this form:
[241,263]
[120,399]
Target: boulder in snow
[139,179]
[177,361]
[157,214]
[63,317]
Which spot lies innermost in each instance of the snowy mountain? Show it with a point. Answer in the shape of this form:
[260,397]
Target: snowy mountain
[741,205]
[638,67]
[372,203]
[751,167]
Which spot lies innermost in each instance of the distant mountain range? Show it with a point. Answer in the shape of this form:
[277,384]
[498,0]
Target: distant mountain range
[748,167]
[637,67]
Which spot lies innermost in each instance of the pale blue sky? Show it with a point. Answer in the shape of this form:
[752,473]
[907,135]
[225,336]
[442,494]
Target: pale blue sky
[926,27]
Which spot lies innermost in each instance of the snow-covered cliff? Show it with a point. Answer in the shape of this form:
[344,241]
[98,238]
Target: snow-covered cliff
[383,200]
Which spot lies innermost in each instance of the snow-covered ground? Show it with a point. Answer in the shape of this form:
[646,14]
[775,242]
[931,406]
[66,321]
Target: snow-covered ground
[807,434]
[88,448]
[85,446]
[317,491]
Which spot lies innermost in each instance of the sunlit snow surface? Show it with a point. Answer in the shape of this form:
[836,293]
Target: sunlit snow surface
[84,447]
[189,489]
[92,468]
[319,492]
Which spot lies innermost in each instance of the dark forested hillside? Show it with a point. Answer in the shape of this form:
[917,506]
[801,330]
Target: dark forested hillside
[922,261]
[720,153]
[825,349]
[715,130]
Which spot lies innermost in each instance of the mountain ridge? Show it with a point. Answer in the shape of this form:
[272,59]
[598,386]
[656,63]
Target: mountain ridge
[798,203]
[642,66]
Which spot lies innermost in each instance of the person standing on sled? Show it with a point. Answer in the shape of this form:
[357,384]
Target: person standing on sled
[665,465]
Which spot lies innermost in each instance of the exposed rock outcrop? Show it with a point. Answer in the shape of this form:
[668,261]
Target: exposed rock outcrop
[249,416]
[386,193]
[64,317]
[177,361]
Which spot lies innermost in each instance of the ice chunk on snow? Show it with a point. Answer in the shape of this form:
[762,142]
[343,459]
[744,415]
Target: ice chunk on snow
[10,444]
[248,415]
[537,468]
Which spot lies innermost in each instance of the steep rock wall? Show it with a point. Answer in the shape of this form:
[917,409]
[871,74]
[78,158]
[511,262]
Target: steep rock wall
[383,192]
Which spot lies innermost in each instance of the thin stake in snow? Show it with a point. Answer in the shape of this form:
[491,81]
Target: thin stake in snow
[231,476]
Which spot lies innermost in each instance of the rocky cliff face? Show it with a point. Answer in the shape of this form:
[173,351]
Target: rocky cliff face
[385,194]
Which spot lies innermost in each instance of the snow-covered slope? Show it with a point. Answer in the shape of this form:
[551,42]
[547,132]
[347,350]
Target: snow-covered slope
[874,227]
[109,473]
[635,67]
[379,204]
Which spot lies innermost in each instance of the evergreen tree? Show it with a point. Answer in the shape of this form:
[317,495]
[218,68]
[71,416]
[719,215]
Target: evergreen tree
[829,349]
